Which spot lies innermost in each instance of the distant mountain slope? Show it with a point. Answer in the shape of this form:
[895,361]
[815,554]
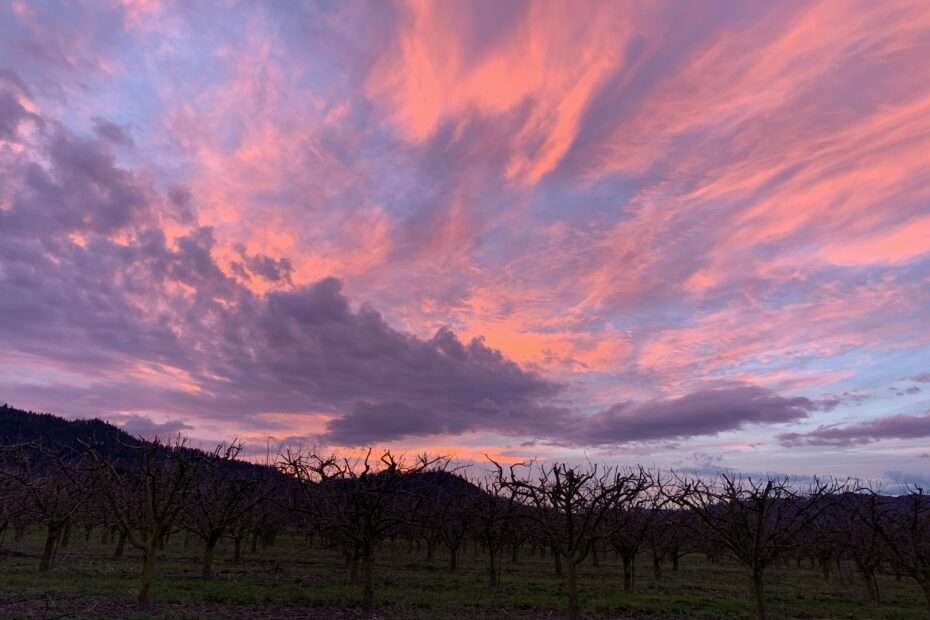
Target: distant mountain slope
[19,426]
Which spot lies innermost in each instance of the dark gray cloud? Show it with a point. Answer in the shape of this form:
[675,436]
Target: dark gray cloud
[12,111]
[72,185]
[11,114]
[142,426]
[923,377]
[830,402]
[277,270]
[110,131]
[890,427]
[704,412]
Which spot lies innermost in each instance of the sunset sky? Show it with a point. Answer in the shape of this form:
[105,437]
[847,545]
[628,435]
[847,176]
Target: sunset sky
[686,234]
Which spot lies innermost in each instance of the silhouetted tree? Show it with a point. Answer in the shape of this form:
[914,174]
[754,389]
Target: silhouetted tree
[224,492]
[495,512]
[360,503]
[53,486]
[630,520]
[757,521]
[903,523]
[452,514]
[569,505]
[860,541]
[146,494]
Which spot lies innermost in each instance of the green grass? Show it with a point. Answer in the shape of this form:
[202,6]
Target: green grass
[293,575]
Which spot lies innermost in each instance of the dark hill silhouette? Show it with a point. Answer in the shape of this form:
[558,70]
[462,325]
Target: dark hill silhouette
[19,426]
[57,434]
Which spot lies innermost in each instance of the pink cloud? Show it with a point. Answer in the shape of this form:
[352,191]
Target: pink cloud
[900,243]
[550,59]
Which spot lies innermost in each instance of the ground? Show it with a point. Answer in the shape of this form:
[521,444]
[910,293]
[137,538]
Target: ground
[295,581]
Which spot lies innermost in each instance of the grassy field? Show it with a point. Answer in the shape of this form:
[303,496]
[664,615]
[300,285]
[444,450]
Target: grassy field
[292,580]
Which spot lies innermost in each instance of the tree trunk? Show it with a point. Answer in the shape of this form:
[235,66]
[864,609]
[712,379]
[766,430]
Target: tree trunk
[557,557]
[629,570]
[51,541]
[453,558]
[758,593]
[676,559]
[120,545]
[515,554]
[492,567]
[368,581]
[839,572]
[269,538]
[149,557]
[657,566]
[65,536]
[353,566]
[237,548]
[209,547]
[595,558]
[572,582]
[825,569]
[871,586]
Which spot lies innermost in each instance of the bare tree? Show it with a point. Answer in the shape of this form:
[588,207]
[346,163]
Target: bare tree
[903,523]
[13,500]
[53,486]
[825,540]
[224,493]
[667,538]
[146,492]
[757,521]
[494,512]
[361,502]
[7,501]
[860,541]
[630,520]
[450,516]
[570,506]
